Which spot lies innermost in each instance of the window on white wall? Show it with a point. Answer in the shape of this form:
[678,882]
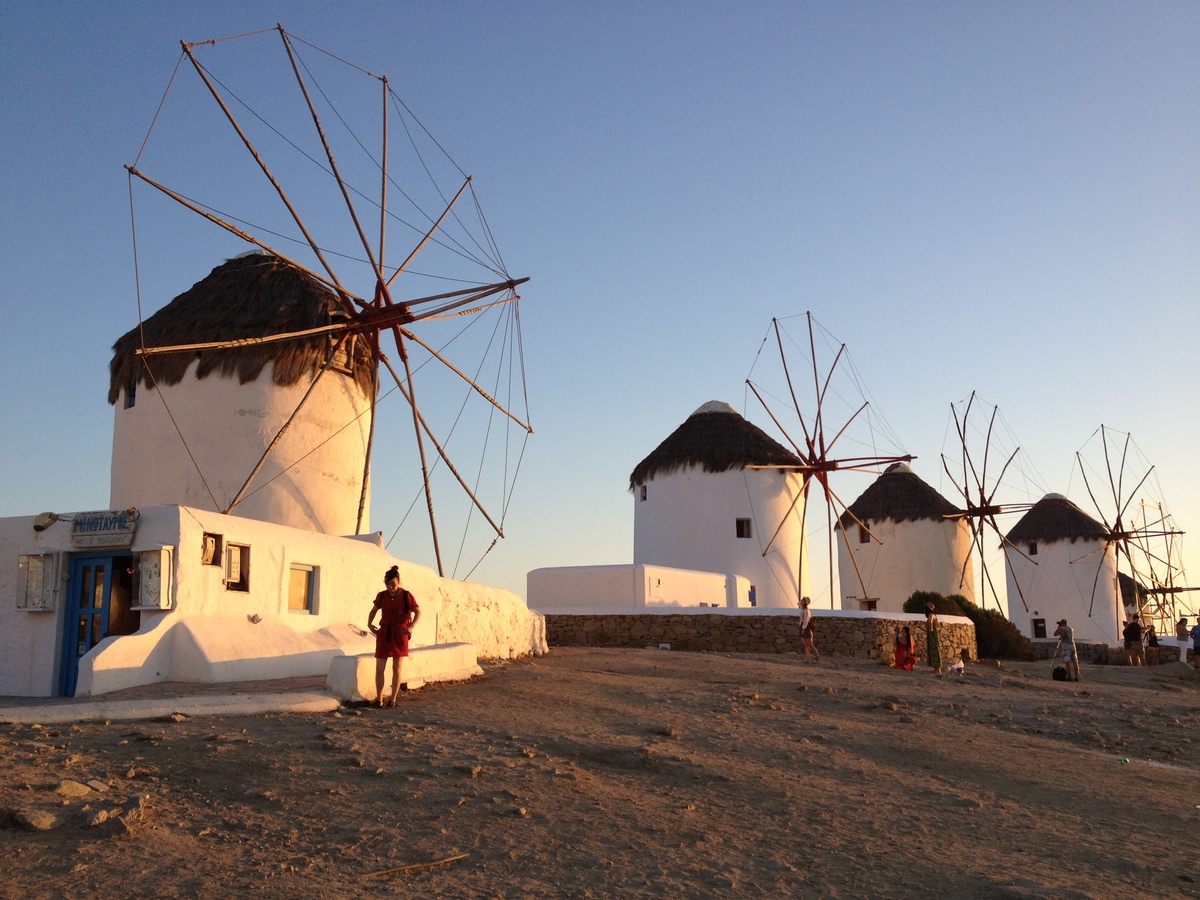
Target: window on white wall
[302,588]
[237,567]
[642,493]
[743,527]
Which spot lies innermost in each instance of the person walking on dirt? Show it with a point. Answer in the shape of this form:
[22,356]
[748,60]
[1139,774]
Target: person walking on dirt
[931,639]
[1066,643]
[808,631]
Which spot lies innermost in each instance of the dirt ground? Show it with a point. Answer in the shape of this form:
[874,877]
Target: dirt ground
[636,773]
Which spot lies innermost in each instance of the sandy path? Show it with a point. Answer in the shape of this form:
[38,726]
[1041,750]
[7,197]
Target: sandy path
[596,773]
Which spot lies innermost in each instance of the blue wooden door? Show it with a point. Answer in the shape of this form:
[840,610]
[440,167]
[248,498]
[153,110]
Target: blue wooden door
[89,593]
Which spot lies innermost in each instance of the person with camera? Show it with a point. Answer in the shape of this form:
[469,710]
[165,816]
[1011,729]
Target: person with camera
[1066,645]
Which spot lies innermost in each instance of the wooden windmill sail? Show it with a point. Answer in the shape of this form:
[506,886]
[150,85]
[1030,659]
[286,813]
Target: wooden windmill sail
[408,314]
[805,428]
[979,480]
[1143,536]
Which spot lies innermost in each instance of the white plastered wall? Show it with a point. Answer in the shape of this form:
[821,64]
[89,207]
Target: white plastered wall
[209,635]
[688,521]
[227,426]
[631,587]
[1060,586]
[903,557]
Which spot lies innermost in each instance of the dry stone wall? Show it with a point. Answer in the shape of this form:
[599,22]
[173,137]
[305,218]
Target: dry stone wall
[863,637]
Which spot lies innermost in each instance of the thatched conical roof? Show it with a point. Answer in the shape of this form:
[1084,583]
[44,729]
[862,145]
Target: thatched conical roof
[900,495]
[1055,518]
[717,439]
[253,295]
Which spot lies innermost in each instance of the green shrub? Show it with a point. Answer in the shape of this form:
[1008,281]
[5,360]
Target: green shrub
[995,636]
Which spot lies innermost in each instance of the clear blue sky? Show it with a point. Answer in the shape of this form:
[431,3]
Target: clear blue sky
[996,197]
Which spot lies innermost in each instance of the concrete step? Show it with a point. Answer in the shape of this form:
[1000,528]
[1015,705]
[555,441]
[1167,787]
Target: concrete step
[352,678]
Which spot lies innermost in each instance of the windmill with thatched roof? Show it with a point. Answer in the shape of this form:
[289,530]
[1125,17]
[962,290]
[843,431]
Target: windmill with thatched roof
[1066,569]
[720,495]
[898,537]
[256,391]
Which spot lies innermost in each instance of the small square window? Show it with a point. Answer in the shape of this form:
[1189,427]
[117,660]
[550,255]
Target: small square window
[743,527]
[864,536]
[237,567]
[302,587]
[131,395]
[643,492]
[1033,548]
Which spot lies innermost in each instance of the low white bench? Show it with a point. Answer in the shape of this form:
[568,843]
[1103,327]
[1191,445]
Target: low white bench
[352,678]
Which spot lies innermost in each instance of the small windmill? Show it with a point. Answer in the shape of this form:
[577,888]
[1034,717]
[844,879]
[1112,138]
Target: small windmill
[1159,544]
[381,300]
[1144,540]
[978,484]
[815,449]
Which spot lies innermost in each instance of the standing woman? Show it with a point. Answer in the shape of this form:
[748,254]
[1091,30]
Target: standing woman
[931,638]
[398,614]
[808,631]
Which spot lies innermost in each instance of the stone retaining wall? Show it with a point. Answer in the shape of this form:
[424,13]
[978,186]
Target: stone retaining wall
[863,637]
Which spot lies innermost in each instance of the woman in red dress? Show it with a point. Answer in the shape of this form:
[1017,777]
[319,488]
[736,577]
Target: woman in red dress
[398,614]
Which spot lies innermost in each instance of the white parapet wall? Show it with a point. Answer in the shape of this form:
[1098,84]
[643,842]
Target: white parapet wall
[352,678]
[635,587]
[210,631]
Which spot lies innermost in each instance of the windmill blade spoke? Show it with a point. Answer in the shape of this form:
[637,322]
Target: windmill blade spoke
[791,390]
[1121,510]
[953,481]
[333,166]
[987,445]
[440,450]
[279,434]
[474,386]
[803,454]
[411,396]
[429,234]
[1095,586]
[1086,483]
[1015,580]
[1000,480]
[802,493]
[344,296]
[366,476]
[849,422]
[262,165]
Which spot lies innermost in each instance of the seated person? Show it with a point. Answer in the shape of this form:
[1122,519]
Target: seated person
[902,651]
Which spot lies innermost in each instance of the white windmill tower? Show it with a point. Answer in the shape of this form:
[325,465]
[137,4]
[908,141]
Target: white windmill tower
[720,495]
[1063,567]
[902,536]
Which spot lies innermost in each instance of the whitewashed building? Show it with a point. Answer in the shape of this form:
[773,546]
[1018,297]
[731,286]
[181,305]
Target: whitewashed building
[1066,570]
[903,537]
[718,521]
[165,587]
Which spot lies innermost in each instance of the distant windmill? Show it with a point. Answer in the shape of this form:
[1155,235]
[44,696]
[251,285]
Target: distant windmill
[812,443]
[382,301]
[1143,537]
